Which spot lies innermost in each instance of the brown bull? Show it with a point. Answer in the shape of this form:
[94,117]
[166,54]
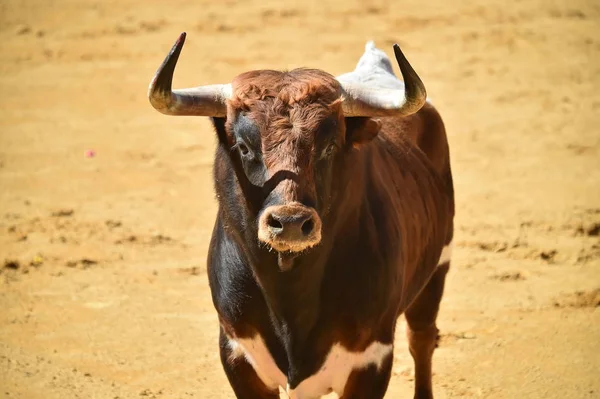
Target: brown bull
[335,216]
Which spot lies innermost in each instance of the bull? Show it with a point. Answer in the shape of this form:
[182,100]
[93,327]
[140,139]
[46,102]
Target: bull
[335,217]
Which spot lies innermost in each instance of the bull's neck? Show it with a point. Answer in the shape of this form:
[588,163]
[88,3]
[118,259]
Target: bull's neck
[294,295]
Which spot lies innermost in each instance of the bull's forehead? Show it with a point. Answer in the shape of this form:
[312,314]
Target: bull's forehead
[290,87]
[292,114]
[291,111]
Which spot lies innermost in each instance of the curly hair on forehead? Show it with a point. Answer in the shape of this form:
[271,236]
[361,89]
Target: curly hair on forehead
[297,87]
[291,101]
[289,107]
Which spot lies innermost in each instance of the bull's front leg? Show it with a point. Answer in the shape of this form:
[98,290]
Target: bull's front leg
[242,377]
[370,382]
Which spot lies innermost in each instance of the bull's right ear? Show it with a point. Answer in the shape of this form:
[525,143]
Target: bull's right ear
[361,130]
[219,125]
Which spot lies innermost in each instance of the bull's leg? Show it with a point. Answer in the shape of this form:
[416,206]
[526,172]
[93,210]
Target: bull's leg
[241,375]
[370,382]
[422,330]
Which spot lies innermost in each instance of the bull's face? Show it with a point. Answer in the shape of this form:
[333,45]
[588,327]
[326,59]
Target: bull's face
[287,132]
[286,129]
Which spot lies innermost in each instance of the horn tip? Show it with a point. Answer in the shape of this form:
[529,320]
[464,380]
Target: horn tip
[179,44]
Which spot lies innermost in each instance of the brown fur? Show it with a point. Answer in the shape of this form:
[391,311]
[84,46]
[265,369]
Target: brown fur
[288,107]
[392,210]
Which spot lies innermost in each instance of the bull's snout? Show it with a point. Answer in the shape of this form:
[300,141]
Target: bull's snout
[292,227]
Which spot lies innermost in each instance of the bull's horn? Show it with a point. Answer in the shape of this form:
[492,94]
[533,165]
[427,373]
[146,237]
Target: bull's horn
[361,100]
[195,101]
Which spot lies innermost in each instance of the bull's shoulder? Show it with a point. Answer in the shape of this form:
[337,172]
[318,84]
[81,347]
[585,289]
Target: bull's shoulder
[425,130]
[236,295]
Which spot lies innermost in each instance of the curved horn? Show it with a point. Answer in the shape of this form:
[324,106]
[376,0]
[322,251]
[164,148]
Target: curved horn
[361,100]
[195,101]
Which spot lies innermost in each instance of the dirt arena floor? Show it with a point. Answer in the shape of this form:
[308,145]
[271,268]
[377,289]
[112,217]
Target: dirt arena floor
[103,289]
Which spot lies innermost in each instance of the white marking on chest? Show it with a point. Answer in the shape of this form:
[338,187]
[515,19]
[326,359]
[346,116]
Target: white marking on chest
[331,377]
[334,373]
[446,254]
[256,353]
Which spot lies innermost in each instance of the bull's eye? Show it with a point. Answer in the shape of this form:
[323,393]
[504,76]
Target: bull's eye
[243,149]
[328,151]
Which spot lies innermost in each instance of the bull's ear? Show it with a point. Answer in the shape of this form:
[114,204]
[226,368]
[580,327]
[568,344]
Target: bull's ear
[219,125]
[361,130]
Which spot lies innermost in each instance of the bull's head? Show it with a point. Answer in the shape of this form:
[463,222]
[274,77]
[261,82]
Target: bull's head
[286,129]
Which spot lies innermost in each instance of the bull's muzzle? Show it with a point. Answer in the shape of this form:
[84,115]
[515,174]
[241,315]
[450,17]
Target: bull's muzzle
[290,228]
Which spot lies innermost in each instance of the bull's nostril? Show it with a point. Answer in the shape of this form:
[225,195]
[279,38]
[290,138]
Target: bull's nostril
[274,224]
[307,227]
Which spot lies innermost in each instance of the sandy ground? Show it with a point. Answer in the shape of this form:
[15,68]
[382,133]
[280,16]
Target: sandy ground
[103,290]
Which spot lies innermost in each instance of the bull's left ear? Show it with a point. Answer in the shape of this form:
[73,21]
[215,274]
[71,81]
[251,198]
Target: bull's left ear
[361,130]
